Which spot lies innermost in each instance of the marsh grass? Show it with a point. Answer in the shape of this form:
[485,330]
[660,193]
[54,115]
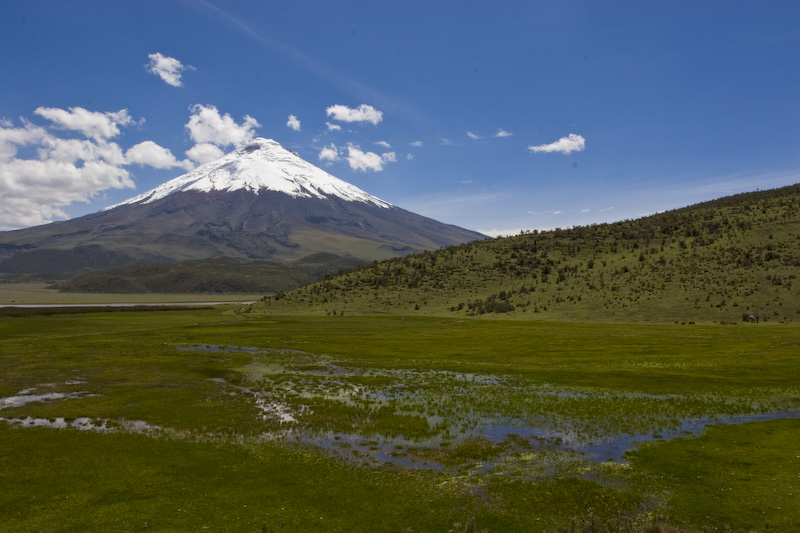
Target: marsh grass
[749,472]
[379,424]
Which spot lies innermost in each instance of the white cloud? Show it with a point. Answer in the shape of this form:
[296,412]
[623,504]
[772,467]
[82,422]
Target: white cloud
[11,137]
[293,123]
[63,171]
[206,125]
[151,154]
[93,124]
[550,212]
[502,133]
[333,127]
[384,144]
[73,151]
[456,208]
[363,113]
[364,161]
[329,154]
[204,153]
[168,69]
[565,145]
[416,144]
[494,232]
[473,136]
[33,191]
[409,156]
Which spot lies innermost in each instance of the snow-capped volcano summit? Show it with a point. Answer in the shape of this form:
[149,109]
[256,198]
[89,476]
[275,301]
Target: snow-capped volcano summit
[260,165]
[260,201]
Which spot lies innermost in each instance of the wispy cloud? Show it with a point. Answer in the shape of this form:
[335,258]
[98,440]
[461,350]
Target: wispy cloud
[383,144]
[565,145]
[496,232]
[167,68]
[452,206]
[393,103]
[723,185]
[550,212]
[333,127]
[416,144]
[500,134]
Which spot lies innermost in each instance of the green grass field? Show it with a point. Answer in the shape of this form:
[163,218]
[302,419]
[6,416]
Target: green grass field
[38,293]
[185,420]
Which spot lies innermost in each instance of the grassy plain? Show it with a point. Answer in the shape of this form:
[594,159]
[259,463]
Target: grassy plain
[233,422]
[39,293]
[213,276]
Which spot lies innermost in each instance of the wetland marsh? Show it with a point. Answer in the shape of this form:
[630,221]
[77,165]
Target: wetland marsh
[389,423]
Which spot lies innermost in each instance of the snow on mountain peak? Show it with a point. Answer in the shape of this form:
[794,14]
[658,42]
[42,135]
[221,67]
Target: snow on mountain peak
[262,164]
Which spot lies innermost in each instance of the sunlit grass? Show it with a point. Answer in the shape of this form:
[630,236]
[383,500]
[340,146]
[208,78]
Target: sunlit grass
[423,421]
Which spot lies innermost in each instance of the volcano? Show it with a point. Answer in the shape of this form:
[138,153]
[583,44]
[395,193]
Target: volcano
[260,201]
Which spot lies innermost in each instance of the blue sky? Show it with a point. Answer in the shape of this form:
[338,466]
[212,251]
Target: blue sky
[495,116]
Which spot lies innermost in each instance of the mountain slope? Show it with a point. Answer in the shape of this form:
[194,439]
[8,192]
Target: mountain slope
[258,202]
[213,276]
[716,261]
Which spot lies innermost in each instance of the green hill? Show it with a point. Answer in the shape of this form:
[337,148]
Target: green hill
[715,261]
[221,275]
